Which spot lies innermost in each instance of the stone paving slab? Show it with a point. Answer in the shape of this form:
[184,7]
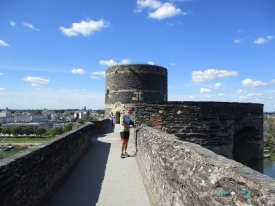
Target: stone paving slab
[102,178]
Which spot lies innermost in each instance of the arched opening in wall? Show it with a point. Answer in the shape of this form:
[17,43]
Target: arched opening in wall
[247,147]
[117,115]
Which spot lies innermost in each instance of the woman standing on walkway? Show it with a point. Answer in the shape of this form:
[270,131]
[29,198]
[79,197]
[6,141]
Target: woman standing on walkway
[112,118]
[125,132]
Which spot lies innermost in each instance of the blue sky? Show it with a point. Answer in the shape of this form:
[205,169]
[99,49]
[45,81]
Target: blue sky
[54,54]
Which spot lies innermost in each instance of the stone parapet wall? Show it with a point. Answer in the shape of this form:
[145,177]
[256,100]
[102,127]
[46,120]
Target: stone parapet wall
[33,177]
[99,126]
[213,125]
[176,172]
[199,120]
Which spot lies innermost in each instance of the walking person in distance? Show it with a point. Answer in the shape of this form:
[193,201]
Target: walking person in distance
[112,119]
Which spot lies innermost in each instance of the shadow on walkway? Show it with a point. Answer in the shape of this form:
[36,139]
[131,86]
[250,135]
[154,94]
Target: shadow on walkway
[84,184]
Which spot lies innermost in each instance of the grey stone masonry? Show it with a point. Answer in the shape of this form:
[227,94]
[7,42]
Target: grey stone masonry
[130,83]
[234,130]
[177,172]
[32,177]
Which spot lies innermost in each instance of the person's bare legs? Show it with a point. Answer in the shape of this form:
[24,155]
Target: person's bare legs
[123,145]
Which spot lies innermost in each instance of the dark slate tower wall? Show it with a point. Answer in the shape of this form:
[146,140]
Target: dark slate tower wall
[130,83]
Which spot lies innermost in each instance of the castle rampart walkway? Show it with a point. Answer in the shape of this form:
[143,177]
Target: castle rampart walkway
[102,177]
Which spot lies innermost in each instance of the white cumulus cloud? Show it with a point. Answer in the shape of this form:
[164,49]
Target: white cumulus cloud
[102,74]
[112,62]
[78,71]
[237,41]
[160,10]
[166,10]
[153,4]
[240,91]
[125,61]
[262,40]
[12,23]
[211,74]
[151,63]
[253,84]
[2,89]
[2,43]
[205,90]
[218,85]
[97,75]
[30,26]
[84,27]
[254,94]
[250,96]
[35,85]
[94,77]
[108,62]
[243,97]
[36,80]
[192,97]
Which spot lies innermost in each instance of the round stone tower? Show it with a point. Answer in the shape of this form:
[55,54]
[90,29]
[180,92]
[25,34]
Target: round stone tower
[130,83]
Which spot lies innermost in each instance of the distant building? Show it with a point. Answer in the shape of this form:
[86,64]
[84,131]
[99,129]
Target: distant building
[54,117]
[82,115]
[6,119]
[45,112]
[5,113]
[23,118]
[28,118]
[57,124]
[76,115]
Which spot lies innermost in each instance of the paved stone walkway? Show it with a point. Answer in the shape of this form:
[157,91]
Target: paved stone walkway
[102,178]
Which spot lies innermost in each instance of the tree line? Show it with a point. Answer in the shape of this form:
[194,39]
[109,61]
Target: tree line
[269,140]
[27,131]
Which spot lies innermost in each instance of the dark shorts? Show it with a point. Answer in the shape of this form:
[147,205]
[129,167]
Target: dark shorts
[124,135]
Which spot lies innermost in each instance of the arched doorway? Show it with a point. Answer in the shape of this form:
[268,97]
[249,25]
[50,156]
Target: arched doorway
[117,115]
[248,148]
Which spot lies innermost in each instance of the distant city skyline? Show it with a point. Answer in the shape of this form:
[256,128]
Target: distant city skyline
[54,54]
